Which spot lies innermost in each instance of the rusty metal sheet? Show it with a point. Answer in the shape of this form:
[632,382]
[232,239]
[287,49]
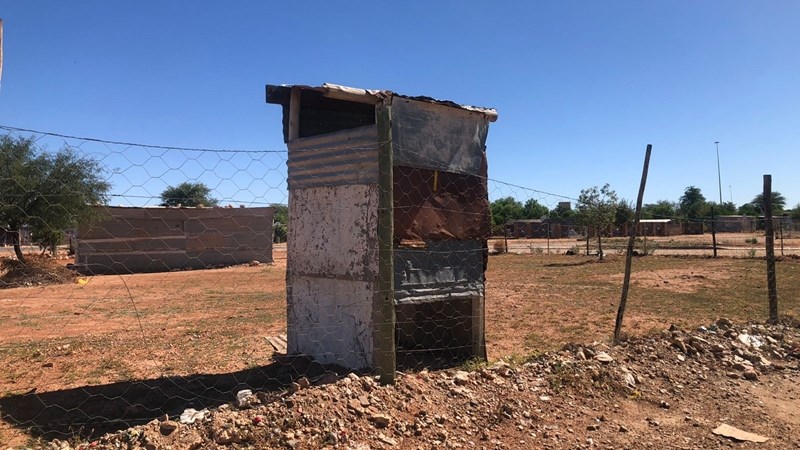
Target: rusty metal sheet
[434,205]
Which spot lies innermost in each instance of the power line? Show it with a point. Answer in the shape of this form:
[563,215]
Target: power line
[133,144]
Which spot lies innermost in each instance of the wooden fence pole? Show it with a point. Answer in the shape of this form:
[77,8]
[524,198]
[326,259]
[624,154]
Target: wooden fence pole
[631,240]
[386,358]
[772,283]
[713,231]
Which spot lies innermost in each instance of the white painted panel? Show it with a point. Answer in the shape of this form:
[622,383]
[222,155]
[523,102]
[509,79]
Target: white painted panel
[330,320]
[333,232]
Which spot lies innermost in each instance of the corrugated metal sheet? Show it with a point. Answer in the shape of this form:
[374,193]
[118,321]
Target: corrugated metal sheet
[334,159]
[443,270]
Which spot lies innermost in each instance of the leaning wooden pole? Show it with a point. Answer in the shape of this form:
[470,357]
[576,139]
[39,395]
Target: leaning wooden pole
[386,360]
[631,240]
[772,282]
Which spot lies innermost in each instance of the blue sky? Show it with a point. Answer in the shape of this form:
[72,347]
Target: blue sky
[580,87]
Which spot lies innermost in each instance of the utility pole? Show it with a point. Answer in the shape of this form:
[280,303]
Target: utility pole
[719,174]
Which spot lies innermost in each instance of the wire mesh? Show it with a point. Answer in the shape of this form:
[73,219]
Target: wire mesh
[133,309]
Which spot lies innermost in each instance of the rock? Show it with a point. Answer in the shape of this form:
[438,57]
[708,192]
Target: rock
[630,380]
[254,263]
[603,357]
[294,387]
[664,404]
[380,420]
[750,374]
[461,378]
[623,429]
[387,440]
[593,427]
[724,324]
[244,398]
[168,426]
[737,434]
[223,437]
[191,415]
[680,345]
[304,383]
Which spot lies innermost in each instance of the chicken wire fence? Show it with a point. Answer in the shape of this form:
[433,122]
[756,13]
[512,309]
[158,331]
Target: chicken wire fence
[137,309]
[161,300]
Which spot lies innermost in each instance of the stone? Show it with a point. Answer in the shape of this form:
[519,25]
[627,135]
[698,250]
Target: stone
[191,415]
[304,383]
[244,398]
[603,357]
[461,378]
[380,420]
[387,440]
[750,374]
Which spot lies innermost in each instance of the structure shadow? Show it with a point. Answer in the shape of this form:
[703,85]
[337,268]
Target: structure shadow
[90,411]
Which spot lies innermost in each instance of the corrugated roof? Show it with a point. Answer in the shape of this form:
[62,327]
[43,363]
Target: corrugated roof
[279,94]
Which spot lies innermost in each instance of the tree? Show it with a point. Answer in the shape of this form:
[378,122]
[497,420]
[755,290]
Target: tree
[534,210]
[692,204]
[46,192]
[726,209]
[623,213]
[280,223]
[505,209]
[188,194]
[748,209]
[795,212]
[778,203]
[562,211]
[662,209]
[597,208]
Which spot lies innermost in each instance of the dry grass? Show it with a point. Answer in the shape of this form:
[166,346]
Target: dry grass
[541,302]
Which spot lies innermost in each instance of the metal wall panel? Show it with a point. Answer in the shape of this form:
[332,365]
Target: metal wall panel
[443,270]
[438,137]
[332,271]
[341,158]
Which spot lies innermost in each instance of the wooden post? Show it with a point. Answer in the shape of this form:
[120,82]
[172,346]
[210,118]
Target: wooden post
[294,114]
[548,238]
[587,240]
[772,283]
[505,236]
[780,226]
[632,238]
[386,360]
[713,232]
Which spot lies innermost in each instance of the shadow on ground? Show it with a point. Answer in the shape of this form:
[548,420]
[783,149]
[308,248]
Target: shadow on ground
[91,411]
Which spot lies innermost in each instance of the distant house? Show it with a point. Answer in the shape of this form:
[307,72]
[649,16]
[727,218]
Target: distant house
[157,239]
[528,228]
[735,224]
[659,227]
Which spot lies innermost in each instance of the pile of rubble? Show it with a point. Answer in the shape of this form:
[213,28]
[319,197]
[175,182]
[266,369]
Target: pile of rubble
[671,389]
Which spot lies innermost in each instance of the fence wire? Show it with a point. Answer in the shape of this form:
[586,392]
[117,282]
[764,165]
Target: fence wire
[155,300]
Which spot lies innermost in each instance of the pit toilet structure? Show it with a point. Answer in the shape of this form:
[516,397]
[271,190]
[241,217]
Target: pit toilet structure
[388,221]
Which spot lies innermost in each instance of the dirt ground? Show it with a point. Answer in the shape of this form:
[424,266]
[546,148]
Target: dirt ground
[194,334]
